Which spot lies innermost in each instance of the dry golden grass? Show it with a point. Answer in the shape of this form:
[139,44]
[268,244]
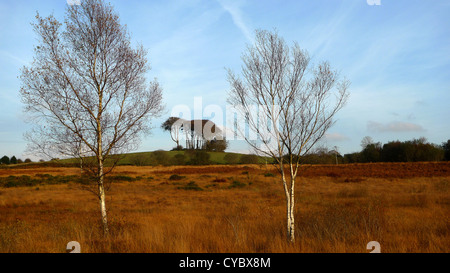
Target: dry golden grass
[334,213]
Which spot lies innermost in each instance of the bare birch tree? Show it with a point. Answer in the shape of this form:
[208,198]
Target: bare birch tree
[86,89]
[287,105]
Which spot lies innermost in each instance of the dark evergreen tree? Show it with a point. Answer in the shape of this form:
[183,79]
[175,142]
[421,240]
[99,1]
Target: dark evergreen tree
[5,160]
[13,160]
[446,146]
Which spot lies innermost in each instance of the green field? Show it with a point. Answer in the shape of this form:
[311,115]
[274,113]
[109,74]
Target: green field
[214,157]
[183,157]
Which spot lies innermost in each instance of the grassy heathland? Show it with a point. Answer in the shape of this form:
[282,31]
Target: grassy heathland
[224,208]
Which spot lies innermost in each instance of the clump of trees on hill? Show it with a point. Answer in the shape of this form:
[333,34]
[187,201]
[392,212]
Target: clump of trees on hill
[199,134]
[399,151]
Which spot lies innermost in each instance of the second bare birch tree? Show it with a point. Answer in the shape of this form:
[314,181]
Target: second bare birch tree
[287,105]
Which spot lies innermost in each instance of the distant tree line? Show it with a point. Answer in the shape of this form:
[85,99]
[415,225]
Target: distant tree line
[416,150]
[5,160]
[399,151]
[323,156]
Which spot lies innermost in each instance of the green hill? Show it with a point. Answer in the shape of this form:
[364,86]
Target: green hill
[184,157]
[187,158]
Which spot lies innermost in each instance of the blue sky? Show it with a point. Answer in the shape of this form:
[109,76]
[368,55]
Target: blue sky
[397,56]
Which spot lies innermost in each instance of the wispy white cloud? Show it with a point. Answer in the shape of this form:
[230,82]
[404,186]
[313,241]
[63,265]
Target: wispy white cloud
[396,126]
[322,37]
[235,11]
[335,137]
[13,57]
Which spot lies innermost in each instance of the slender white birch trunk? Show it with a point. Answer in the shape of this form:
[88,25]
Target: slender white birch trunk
[101,188]
[101,185]
[102,198]
[291,221]
[290,203]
